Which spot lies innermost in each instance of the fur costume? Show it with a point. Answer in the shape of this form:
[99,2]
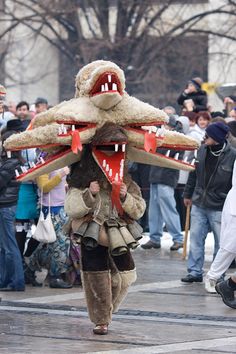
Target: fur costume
[97,132]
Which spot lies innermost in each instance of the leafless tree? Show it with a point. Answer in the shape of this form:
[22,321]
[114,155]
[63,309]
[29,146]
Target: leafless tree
[155,49]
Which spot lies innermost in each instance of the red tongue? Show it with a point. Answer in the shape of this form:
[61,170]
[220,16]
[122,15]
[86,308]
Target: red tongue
[113,168]
[150,142]
[76,142]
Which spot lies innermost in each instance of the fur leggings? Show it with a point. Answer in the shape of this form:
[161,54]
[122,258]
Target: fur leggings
[106,280]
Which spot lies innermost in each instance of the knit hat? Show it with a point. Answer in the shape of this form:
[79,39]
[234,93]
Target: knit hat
[217,131]
[197,82]
[15,124]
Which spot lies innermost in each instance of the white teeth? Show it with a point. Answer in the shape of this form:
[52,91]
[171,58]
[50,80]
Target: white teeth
[168,153]
[59,131]
[109,78]
[110,173]
[114,87]
[104,163]
[116,147]
[23,169]
[73,128]
[33,164]
[9,154]
[17,173]
[116,177]
[106,87]
[123,147]
[107,168]
[157,133]
[195,153]
[149,130]
[122,162]
[176,156]
[186,159]
[121,173]
[102,88]
[193,162]
[42,160]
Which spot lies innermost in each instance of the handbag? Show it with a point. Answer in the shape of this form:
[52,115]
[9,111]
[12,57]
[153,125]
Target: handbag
[45,231]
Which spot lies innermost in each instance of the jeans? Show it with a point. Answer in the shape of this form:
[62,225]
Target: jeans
[11,267]
[162,209]
[203,220]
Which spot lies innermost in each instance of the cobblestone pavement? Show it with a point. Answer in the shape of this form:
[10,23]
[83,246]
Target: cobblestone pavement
[159,315]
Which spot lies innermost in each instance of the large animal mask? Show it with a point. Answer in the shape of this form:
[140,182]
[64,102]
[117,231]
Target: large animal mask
[101,99]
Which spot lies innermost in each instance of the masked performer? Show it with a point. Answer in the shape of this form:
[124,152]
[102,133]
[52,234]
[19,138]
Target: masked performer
[97,132]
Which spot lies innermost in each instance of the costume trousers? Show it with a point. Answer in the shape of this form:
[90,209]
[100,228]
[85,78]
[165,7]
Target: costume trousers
[220,264]
[106,280]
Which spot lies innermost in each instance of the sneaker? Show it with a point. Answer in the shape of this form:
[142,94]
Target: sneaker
[191,279]
[226,293]
[210,285]
[150,244]
[176,246]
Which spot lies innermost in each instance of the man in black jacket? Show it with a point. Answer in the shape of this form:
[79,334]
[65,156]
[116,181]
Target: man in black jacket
[193,98]
[206,190]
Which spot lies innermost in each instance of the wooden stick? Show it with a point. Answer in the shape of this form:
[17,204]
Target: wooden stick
[186,230]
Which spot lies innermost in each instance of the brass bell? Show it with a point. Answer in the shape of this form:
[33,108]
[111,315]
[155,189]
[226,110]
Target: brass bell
[128,238]
[91,235]
[136,230]
[116,242]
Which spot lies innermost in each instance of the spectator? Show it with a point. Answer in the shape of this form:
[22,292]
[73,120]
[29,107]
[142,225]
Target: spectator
[207,193]
[11,107]
[11,268]
[202,119]
[169,110]
[4,114]
[52,256]
[41,105]
[232,134]
[22,112]
[26,211]
[193,98]
[162,206]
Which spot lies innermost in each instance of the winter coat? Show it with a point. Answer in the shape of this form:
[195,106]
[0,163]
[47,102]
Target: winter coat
[9,187]
[81,206]
[228,220]
[163,175]
[213,194]
[199,98]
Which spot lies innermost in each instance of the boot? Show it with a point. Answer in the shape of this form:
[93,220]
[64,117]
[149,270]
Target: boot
[97,287]
[226,293]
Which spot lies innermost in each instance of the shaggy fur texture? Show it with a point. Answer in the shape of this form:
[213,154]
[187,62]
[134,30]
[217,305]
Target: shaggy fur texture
[97,287]
[120,287]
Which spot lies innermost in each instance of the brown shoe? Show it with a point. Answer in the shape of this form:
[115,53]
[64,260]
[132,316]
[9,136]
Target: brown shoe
[101,329]
[176,246]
